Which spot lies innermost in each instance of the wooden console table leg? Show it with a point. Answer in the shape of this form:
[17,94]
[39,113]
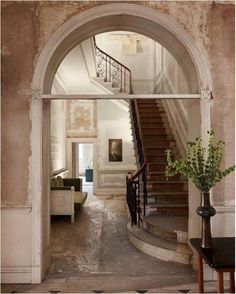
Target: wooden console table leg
[220,282]
[231,282]
[200,275]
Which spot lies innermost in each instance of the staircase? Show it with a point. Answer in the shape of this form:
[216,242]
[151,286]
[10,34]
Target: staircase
[163,212]
[112,75]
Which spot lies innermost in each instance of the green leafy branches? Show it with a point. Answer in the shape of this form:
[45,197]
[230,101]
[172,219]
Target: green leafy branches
[200,165]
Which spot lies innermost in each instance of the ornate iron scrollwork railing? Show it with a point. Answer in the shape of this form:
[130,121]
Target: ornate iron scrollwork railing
[111,70]
[136,193]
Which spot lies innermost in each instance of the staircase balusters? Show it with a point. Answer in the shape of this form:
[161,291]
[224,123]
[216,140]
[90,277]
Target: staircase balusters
[137,184]
[111,70]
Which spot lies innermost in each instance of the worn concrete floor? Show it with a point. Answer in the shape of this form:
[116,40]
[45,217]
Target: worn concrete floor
[94,254]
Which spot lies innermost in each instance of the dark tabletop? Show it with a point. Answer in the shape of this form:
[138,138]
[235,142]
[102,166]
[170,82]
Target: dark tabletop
[222,255]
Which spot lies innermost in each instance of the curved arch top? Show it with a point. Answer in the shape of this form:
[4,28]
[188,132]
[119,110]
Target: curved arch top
[107,17]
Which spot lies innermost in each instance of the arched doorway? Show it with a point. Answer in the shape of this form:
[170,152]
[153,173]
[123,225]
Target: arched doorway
[102,18]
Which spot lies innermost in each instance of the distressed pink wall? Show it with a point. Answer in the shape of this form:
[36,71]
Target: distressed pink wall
[18,52]
[221,52]
[26,26]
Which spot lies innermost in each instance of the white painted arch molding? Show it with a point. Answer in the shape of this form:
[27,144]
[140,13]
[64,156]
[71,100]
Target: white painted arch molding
[108,17]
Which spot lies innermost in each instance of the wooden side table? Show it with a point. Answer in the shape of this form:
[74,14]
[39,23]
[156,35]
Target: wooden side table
[221,258]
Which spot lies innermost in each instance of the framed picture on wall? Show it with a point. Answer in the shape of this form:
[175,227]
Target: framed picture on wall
[115,150]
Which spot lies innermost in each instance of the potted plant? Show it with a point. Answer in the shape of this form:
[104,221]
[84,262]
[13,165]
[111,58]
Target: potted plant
[202,166]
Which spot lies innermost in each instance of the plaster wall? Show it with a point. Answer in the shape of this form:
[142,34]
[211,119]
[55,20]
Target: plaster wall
[77,69]
[153,68]
[135,51]
[17,71]
[113,123]
[81,124]
[16,267]
[222,52]
[58,135]
[172,80]
[103,119]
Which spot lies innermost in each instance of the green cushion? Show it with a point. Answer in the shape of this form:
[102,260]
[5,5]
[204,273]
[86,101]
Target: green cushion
[80,197]
[60,180]
[56,182]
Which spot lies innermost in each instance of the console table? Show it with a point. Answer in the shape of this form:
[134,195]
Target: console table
[221,258]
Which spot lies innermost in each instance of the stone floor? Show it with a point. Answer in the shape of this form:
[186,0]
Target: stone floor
[94,255]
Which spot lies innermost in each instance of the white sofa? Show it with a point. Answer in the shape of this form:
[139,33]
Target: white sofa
[65,198]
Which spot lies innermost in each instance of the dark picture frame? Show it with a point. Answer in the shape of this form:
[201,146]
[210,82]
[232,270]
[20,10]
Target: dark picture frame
[115,150]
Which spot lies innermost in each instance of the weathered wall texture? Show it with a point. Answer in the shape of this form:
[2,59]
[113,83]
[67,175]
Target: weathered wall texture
[19,46]
[81,119]
[113,123]
[221,51]
[26,26]
[58,135]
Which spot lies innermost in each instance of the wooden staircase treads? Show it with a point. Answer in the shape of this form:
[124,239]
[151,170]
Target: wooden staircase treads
[167,208]
[163,201]
[161,198]
[159,126]
[152,119]
[160,167]
[158,138]
[166,186]
[155,151]
[160,176]
[168,194]
[157,143]
[150,111]
[153,132]
[152,158]
[161,149]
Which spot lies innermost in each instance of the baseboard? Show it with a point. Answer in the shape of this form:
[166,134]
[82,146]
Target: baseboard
[110,192]
[15,275]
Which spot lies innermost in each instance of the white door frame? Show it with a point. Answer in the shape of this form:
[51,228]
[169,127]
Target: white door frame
[94,142]
[44,70]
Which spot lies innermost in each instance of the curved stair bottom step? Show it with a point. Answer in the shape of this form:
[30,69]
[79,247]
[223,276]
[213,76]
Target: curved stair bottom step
[172,228]
[158,248]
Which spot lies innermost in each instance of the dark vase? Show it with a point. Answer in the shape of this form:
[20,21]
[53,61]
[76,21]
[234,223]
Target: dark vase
[206,211]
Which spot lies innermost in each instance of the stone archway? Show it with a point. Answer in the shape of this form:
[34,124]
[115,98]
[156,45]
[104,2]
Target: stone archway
[107,17]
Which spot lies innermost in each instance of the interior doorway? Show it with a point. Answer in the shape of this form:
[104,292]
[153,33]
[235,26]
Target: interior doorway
[84,165]
[82,162]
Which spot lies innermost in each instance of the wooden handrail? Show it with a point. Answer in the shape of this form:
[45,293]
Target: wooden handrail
[140,129]
[138,172]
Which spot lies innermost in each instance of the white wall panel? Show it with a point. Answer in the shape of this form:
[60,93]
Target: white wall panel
[16,248]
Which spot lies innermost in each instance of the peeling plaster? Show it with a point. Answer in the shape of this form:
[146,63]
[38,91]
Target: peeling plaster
[81,120]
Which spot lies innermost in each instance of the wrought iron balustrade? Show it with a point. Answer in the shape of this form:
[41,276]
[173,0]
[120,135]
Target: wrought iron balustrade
[111,70]
[136,185]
